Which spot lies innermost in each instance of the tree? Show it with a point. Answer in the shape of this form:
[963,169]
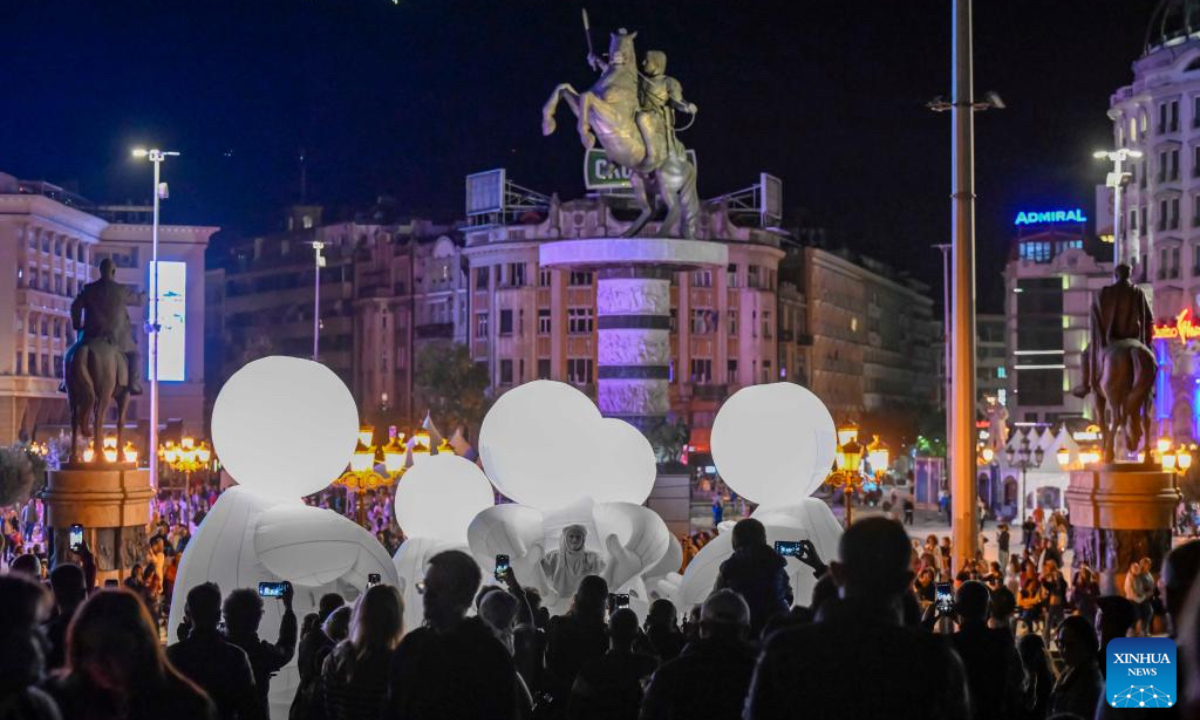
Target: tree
[22,473]
[452,386]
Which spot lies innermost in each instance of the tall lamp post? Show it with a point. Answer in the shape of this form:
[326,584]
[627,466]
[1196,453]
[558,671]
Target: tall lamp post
[849,458]
[1025,458]
[319,262]
[155,156]
[1116,180]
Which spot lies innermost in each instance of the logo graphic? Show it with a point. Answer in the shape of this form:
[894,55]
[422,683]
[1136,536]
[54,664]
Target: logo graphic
[1141,673]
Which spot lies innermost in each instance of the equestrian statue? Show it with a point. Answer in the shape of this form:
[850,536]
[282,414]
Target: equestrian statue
[103,365]
[1119,367]
[632,114]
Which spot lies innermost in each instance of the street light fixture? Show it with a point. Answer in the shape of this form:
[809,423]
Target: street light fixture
[847,477]
[878,456]
[1025,459]
[155,156]
[1117,179]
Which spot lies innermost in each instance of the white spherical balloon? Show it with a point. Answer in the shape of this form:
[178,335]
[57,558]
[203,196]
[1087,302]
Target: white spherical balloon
[625,468]
[284,427]
[536,443]
[439,498]
[773,444]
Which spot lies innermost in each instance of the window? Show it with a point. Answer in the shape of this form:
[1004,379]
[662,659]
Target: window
[45,329]
[702,371]
[1174,170]
[731,375]
[1162,166]
[481,325]
[1196,161]
[1001,372]
[482,277]
[753,323]
[732,275]
[1142,222]
[543,321]
[506,374]
[1196,211]
[766,317]
[1173,116]
[1162,214]
[516,274]
[579,321]
[20,363]
[544,277]
[703,321]
[733,323]
[752,279]
[581,279]
[1173,221]
[46,365]
[1133,216]
[543,369]
[1196,111]
[766,368]
[33,278]
[702,278]
[1143,176]
[32,366]
[1196,260]
[1142,123]
[1173,270]
[579,371]
[506,322]
[674,326]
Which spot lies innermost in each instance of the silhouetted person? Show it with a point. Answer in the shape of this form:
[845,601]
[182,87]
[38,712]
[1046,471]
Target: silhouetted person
[23,605]
[452,668]
[313,642]
[354,678]
[757,573]
[711,676]
[29,565]
[1080,686]
[1038,673]
[610,687]
[69,586]
[576,638]
[995,676]
[1115,617]
[117,669]
[663,637]
[243,611]
[808,669]
[219,667]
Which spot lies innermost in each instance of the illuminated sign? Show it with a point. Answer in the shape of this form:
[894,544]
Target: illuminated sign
[1050,216]
[600,173]
[1183,328]
[172,317]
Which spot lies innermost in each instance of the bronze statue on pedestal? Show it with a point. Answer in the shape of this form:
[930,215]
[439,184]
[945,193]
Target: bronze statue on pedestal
[103,365]
[632,113]
[1119,366]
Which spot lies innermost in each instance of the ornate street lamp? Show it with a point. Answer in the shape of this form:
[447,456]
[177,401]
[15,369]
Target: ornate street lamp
[878,456]
[1064,456]
[1025,459]
[846,432]
[847,477]
[361,476]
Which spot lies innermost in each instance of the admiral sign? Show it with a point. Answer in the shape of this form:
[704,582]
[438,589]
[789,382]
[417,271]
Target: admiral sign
[599,173]
[1050,216]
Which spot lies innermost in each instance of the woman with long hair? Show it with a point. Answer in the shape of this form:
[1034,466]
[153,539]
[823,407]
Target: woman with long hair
[354,677]
[117,669]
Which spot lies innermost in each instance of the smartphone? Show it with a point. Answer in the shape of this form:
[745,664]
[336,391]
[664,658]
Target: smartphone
[421,587]
[374,579]
[273,589]
[618,600]
[944,597]
[75,537]
[502,566]
[788,548]
[110,583]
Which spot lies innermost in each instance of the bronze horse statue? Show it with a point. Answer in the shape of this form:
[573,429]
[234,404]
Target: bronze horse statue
[1123,388]
[97,374]
[609,111]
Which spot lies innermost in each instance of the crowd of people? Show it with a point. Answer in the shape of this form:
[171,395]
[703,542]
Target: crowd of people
[870,642]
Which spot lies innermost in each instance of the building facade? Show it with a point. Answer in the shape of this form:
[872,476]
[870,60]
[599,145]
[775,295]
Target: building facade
[1159,221]
[52,242]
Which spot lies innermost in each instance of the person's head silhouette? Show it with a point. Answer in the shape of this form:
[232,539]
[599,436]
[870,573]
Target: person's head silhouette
[590,597]
[451,582]
[204,606]
[874,562]
[973,602]
[622,629]
[748,533]
[243,611]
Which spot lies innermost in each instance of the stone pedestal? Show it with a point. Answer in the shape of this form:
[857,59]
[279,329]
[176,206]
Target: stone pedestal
[112,503]
[633,307]
[1121,513]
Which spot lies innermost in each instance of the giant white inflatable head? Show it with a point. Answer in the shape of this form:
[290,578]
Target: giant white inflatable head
[545,444]
[774,444]
[284,427]
[438,498]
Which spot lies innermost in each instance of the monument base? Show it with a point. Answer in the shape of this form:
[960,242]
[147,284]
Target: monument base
[671,498]
[1121,513]
[112,503]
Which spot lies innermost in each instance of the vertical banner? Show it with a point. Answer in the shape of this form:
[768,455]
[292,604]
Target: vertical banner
[172,317]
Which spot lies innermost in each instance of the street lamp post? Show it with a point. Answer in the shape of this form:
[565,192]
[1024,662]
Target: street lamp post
[1116,180]
[155,156]
[1026,459]
[319,262]
[849,457]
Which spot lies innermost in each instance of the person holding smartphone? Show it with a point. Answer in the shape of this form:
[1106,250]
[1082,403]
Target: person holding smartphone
[758,573]
[243,611]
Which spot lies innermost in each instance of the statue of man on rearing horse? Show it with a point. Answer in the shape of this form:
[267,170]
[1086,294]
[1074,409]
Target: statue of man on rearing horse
[1118,366]
[104,364]
[632,114]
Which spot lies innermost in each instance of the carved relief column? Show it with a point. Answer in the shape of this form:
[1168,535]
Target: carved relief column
[633,316]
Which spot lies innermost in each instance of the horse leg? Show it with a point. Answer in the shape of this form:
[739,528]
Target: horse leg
[642,196]
[563,91]
[122,402]
[583,123]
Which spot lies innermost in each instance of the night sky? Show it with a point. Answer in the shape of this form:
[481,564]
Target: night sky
[405,99]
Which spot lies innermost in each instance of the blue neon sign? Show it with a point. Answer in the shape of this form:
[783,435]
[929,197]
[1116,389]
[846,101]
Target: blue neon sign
[1050,216]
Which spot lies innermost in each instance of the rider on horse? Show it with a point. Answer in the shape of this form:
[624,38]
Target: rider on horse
[100,312]
[1120,311]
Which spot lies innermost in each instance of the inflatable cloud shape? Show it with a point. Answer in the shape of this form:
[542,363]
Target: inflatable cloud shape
[545,444]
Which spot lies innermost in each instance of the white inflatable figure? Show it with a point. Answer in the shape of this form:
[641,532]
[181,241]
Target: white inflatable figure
[435,502]
[773,445]
[545,445]
[283,428]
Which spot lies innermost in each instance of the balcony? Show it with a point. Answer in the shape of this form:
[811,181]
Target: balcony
[804,339]
[710,392]
[434,330]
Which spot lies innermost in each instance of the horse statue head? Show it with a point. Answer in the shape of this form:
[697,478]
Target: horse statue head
[620,48]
